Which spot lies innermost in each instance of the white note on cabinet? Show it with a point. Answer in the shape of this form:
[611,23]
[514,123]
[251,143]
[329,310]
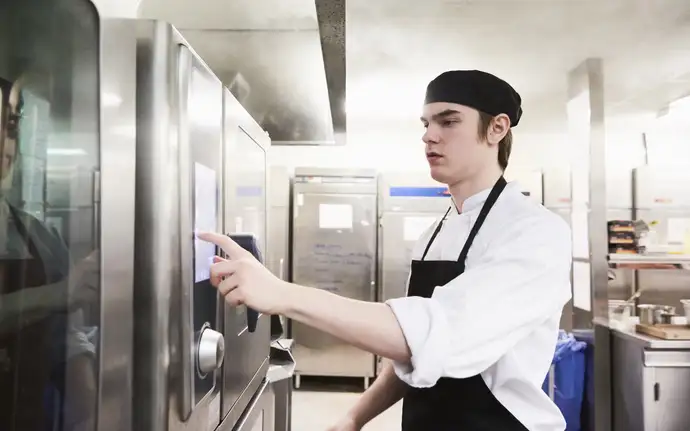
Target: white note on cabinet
[678,230]
[335,216]
[582,286]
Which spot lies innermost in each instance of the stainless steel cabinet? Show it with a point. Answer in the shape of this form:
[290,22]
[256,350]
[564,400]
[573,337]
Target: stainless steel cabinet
[334,248]
[651,383]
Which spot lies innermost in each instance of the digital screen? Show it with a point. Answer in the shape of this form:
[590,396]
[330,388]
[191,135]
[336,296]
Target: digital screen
[205,219]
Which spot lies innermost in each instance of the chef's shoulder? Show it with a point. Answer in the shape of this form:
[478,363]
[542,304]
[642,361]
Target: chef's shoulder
[521,216]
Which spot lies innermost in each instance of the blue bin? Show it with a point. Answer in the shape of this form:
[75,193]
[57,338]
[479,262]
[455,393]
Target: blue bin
[569,364]
[587,336]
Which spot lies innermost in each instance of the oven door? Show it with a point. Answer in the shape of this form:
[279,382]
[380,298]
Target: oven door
[200,210]
[259,414]
[244,194]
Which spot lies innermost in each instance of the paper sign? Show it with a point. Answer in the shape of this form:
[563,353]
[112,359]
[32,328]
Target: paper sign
[582,286]
[335,216]
[678,230]
[414,227]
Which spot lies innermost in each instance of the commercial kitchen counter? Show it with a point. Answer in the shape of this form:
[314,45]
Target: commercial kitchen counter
[650,383]
[651,343]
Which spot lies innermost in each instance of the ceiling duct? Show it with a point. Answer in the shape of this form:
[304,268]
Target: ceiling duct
[332,30]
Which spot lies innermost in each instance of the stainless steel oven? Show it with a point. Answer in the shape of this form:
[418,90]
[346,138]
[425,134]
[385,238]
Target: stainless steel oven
[176,104]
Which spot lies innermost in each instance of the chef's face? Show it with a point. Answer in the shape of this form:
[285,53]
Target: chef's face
[455,149]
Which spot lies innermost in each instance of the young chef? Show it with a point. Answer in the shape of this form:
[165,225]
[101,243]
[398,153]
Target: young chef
[472,342]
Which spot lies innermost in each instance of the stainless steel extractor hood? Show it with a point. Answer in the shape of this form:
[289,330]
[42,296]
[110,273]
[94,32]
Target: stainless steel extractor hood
[285,61]
[282,78]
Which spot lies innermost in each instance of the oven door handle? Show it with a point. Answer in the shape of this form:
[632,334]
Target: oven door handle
[252,319]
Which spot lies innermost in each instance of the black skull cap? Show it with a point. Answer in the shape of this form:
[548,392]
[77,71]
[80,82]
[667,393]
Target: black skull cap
[476,89]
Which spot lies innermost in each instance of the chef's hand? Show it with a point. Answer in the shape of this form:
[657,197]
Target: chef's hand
[242,279]
[84,280]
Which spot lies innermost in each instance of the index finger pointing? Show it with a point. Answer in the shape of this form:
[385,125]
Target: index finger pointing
[233,250]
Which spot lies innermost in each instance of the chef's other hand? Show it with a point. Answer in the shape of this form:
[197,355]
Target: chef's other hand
[345,424]
[242,279]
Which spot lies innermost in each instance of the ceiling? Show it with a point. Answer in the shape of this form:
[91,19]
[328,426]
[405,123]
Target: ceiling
[233,14]
[394,47]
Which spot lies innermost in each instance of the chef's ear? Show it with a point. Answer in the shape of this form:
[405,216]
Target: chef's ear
[498,129]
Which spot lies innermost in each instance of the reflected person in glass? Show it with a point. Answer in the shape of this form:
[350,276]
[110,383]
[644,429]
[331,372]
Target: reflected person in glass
[44,345]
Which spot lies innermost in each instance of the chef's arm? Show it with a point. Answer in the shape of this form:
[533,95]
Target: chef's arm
[518,284]
[34,304]
[370,326]
[387,390]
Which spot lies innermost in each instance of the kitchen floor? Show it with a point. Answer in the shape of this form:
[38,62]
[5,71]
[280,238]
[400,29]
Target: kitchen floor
[317,410]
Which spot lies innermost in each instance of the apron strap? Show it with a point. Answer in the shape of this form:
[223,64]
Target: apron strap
[488,204]
[433,236]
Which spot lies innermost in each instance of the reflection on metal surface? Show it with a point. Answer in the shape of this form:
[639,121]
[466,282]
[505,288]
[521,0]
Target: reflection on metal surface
[55,294]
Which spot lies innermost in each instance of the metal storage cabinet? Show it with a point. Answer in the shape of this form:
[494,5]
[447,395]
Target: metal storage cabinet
[334,248]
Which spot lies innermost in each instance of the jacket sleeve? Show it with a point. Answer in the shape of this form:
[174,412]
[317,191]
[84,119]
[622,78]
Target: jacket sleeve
[520,281]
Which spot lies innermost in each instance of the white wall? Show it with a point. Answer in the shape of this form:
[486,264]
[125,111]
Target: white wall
[400,148]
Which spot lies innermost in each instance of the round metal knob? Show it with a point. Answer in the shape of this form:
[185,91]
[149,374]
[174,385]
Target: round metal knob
[210,351]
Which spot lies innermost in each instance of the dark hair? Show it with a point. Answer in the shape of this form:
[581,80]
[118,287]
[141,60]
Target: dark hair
[6,87]
[506,143]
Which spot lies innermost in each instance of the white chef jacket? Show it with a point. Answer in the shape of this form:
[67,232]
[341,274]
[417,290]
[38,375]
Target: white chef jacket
[501,317]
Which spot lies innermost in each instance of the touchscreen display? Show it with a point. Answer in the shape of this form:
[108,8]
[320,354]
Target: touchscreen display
[205,219]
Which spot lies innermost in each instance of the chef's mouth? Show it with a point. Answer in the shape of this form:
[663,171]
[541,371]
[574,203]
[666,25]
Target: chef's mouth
[433,155]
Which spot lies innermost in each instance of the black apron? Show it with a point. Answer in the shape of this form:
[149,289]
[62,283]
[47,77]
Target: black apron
[453,404]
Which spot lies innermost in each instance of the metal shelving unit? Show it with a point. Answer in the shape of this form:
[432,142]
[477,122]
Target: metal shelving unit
[649,261]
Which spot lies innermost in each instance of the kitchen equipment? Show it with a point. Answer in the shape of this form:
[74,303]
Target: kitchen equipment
[663,202]
[686,307]
[620,308]
[646,312]
[663,317]
[652,314]
[625,304]
[334,249]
